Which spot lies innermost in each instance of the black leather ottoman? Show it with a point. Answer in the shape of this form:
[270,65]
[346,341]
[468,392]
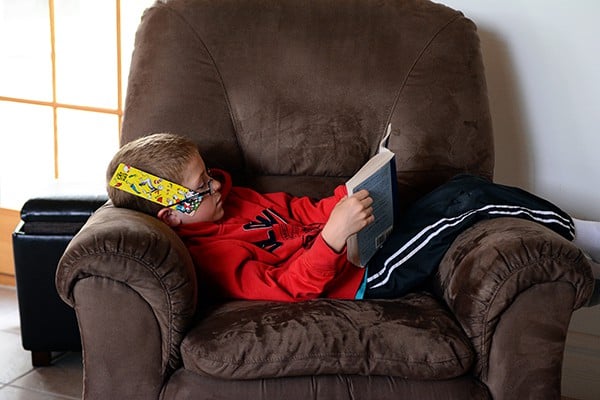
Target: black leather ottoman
[47,225]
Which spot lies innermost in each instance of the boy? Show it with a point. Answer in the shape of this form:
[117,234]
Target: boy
[275,246]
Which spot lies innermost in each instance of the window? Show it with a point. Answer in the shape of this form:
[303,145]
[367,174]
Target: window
[62,83]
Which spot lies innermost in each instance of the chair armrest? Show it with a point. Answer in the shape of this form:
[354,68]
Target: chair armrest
[484,277]
[145,256]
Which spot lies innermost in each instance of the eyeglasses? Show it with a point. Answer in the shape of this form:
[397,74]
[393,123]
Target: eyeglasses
[194,198]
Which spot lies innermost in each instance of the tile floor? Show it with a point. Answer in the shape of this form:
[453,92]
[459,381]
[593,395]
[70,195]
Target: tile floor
[18,379]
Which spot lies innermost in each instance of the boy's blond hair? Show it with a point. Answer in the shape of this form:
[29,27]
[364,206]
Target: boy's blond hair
[162,154]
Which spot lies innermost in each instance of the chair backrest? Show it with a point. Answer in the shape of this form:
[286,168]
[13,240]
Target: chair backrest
[295,95]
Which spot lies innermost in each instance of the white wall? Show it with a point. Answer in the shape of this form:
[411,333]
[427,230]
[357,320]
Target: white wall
[542,60]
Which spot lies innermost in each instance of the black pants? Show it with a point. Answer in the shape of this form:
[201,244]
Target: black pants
[424,233]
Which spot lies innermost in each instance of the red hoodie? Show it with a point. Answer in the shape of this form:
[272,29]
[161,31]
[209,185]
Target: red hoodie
[269,247]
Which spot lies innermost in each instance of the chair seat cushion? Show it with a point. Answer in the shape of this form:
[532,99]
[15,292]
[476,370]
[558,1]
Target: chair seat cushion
[413,337]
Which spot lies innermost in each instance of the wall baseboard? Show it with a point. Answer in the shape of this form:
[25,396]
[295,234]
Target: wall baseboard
[7,280]
[581,366]
[8,222]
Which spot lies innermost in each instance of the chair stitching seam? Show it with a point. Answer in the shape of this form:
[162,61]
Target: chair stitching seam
[147,266]
[234,120]
[417,59]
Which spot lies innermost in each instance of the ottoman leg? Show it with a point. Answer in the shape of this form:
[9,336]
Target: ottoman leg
[41,358]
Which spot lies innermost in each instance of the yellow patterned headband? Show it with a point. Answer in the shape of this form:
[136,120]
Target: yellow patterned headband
[158,190]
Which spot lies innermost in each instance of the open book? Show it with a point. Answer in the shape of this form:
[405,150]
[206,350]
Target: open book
[378,176]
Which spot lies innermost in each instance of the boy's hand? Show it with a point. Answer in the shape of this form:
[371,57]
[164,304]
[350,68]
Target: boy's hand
[350,215]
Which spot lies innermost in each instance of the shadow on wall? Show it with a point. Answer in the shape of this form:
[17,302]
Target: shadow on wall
[512,147]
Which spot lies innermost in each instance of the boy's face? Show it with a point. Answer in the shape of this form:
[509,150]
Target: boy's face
[211,207]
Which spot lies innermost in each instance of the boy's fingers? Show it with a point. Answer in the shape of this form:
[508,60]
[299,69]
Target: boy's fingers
[361,194]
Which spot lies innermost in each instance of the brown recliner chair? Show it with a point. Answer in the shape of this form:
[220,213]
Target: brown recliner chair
[294,96]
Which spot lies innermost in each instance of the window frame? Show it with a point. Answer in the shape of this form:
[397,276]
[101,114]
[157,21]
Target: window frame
[55,104]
